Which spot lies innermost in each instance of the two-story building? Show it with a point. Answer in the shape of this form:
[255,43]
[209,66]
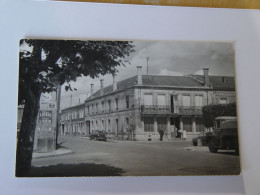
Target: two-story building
[73,120]
[139,107]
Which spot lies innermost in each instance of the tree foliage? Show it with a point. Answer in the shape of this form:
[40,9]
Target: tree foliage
[52,62]
[45,64]
[210,112]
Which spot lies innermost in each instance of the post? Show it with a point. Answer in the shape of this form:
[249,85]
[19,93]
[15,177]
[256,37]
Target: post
[58,114]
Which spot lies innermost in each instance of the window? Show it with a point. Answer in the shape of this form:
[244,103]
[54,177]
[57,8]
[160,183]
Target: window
[161,123]
[102,128]
[199,125]
[148,99]
[127,124]
[161,100]
[96,125]
[116,101]
[127,121]
[92,109]
[109,125]
[109,105]
[148,124]
[186,100]
[96,107]
[187,124]
[127,102]
[102,107]
[198,100]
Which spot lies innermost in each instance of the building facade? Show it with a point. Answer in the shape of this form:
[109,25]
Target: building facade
[72,121]
[139,107]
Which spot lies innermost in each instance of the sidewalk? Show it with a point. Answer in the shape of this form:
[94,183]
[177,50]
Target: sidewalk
[58,152]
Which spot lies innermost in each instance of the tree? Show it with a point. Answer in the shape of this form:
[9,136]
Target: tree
[45,64]
[210,112]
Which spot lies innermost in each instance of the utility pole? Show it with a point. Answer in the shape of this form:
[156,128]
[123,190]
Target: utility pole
[58,113]
[147,59]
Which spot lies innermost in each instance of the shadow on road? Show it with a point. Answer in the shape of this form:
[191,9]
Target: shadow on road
[83,169]
[59,145]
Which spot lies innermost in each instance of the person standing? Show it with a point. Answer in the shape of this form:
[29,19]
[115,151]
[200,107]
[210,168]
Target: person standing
[184,135]
[161,132]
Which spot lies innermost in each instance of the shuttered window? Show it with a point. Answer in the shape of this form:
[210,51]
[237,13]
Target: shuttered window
[161,124]
[161,100]
[198,100]
[148,99]
[187,124]
[186,100]
[148,124]
[199,125]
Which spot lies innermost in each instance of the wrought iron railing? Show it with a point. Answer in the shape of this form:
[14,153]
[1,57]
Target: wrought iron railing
[155,109]
[159,109]
[188,109]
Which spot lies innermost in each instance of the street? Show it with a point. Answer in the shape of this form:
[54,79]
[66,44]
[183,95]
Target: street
[126,158]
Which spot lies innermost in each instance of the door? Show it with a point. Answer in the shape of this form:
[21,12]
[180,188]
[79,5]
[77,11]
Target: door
[116,127]
[177,126]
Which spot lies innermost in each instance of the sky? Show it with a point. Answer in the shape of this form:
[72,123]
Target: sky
[174,58]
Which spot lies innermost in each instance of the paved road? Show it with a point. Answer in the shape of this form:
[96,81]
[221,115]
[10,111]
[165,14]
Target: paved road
[146,158]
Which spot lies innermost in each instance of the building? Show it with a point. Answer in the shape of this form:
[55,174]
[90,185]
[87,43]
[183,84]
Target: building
[139,107]
[73,121]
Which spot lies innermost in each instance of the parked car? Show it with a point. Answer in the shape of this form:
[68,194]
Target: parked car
[98,135]
[202,137]
[225,135]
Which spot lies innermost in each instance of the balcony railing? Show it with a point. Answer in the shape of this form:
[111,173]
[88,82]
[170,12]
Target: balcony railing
[184,110]
[155,109]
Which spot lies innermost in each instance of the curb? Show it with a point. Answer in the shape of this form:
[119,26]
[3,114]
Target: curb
[50,154]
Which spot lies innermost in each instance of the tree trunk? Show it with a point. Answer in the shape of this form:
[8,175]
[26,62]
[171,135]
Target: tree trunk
[27,132]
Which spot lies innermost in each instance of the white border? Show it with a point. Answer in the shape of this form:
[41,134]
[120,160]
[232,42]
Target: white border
[41,19]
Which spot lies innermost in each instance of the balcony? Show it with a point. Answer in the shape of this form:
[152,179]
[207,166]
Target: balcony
[151,109]
[181,110]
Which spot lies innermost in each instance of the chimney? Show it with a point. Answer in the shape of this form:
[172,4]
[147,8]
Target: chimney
[206,77]
[114,82]
[101,86]
[139,75]
[91,89]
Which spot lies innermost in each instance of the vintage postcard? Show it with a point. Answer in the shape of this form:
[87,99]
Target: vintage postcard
[126,108]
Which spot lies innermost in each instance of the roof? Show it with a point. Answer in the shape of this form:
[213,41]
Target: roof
[218,82]
[148,80]
[221,82]
[82,104]
[176,81]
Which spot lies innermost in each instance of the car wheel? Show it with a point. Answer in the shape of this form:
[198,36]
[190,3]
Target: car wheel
[212,146]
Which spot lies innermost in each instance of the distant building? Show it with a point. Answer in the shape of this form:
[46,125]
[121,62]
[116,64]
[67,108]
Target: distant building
[139,107]
[73,121]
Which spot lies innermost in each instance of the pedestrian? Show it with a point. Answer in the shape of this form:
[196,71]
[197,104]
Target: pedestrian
[184,135]
[181,133]
[161,132]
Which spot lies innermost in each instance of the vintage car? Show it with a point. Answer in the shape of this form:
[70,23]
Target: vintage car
[202,138]
[225,135]
[98,135]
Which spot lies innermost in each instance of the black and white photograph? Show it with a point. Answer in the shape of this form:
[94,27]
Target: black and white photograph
[126,108]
